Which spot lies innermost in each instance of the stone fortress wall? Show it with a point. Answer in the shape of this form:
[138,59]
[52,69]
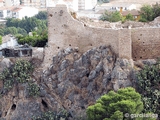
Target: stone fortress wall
[145,43]
[64,31]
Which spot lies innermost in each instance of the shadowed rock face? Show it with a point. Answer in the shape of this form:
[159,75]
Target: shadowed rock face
[78,80]
[73,81]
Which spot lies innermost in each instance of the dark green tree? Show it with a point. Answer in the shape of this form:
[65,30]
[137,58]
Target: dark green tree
[146,13]
[12,22]
[28,23]
[2,31]
[129,17]
[10,30]
[114,105]
[156,10]
[35,40]
[13,31]
[21,31]
[42,15]
[0,40]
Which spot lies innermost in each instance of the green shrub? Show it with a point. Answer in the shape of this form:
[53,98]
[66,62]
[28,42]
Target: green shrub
[35,40]
[113,106]
[0,40]
[149,13]
[33,89]
[8,79]
[143,20]
[20,72]
[148,85]
[111,17]
[129,17]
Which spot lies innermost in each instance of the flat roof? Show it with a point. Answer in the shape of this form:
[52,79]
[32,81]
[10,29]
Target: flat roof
[132,12]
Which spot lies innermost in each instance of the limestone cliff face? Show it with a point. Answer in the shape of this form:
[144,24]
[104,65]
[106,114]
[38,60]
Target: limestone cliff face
[73,81]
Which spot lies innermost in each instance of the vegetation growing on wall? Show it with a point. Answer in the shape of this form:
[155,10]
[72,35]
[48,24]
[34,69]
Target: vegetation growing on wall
[20,72]
[33,90]
[113,106]
[149,86]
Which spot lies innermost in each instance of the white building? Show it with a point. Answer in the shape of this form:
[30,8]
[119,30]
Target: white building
[10,42]
[123,7]
[24,11]
[5,12]
[9,3]
[87,4]
[17,12]
[32,3]
[1,3]
[74,4]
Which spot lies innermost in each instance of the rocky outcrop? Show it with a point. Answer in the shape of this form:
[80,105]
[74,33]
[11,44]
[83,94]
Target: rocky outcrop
[79,80]
[73,82]
[5,63]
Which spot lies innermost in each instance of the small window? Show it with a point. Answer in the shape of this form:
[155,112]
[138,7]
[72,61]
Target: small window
[24,52]
[135,16]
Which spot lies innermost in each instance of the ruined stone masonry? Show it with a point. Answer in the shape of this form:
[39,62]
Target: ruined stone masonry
[65,31]
[81,64]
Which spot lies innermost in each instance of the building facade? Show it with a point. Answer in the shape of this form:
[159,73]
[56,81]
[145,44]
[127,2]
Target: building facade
[17,12]
[1,3]
[9,3]
[31,3]
[73,4]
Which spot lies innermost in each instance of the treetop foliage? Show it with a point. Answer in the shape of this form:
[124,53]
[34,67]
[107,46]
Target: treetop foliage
[28,24]
[21,28]
[42,15]
[149,13]
[36,40]
[0,40]
[115,105]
